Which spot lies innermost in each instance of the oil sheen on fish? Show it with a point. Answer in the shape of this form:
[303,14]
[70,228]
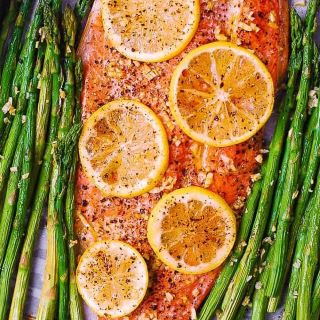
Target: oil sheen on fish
[259,25]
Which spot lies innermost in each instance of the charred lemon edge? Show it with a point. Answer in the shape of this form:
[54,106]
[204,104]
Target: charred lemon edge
[164,152]
[93,248]
[160,58]
[154,227]
[184,65]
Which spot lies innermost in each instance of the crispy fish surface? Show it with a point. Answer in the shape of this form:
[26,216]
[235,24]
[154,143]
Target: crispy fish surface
[259,25]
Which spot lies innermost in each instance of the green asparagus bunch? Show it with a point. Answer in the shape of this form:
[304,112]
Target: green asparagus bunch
[10,143]
[24,269]
[295,140]
[260,301]
[75,301]
[18,228]
[11,60]
[242,267]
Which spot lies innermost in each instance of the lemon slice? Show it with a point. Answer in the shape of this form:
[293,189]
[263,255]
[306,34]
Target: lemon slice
[221,94]
[150,31]
[112,278]
[192,230]
[124,148]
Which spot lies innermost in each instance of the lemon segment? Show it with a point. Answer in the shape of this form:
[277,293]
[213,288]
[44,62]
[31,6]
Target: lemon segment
[112,278]
[124,149]
[192,230]
[150,31]
[221,94]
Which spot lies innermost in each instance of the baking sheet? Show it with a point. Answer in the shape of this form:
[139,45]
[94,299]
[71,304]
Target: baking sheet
[40,251]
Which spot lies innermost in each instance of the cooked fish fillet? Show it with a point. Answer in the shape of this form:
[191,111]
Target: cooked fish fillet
[258,25]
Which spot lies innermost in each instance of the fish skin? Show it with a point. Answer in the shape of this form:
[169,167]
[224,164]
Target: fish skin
[109,76]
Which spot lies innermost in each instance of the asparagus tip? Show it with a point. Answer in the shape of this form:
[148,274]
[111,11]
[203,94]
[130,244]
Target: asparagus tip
[70,26]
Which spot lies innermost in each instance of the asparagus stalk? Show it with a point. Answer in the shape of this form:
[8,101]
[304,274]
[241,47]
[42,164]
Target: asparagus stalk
[70,27]
[42,113]
[10,144]
[21,285]
[310,258]
[315,310]
[18,229]
[246,302]
[277,269]
[304,294]
[11,59]
[291,297]
[260,300]
[56,7]
[6,23]
[82,9]
[10,201]
[18,75]
[308,135]
[47,305]
[75,302]
[64,156]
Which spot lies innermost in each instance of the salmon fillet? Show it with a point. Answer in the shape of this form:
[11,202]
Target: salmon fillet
[258,25]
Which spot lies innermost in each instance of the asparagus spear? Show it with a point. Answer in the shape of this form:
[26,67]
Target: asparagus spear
[47,303]
[56,7]
[6,23]
[281,244]
[82,9]
[246,302]
[310,257]
[260,300]
[304,306]
[11,59]
[315,310]
[75,302]
[18,229]
[21,285]
[43,113]
[10,201]
[308,135]
[10,144]
[63,161]
[292,294]
[70,27]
